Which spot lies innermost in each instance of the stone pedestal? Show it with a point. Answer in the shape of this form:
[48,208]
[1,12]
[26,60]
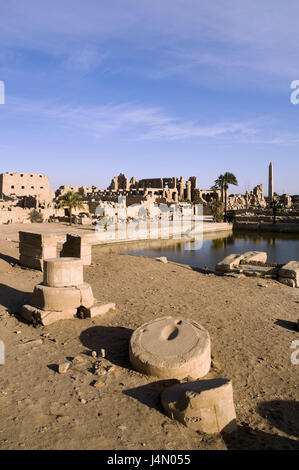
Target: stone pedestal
[63,294]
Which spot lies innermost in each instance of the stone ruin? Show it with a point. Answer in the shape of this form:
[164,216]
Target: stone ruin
[63,295]
[77,246]
[254,264]
[251,199]
[180,349]
[34,248]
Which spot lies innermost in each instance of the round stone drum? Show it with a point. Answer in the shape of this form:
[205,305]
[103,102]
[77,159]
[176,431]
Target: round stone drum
[171,347]
[63,272]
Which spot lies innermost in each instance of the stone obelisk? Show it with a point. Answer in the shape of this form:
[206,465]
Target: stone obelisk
[271,182]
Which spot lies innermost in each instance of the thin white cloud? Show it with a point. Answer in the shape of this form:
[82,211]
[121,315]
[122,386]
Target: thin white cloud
[258,37]
[85,59]
[129,121]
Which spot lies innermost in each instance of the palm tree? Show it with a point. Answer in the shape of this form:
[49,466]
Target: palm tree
[222,183]
[71,200]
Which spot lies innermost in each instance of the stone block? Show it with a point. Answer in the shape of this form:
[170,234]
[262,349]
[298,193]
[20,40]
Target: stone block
[171,347]
[86,295]
[290,270]
[257,256]
[35,246]
[96,310]
[287,281]
[63,272]
[56,298]
[229,263]
[206,406]
[30,262]
[36,315]
[77,247]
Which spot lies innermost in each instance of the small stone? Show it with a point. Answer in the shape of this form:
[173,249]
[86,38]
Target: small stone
[122,428]
[32,341]
[162,259]
[103,353]
[83,401]
[78,359]
[94,354]
[98,384]
[62,368]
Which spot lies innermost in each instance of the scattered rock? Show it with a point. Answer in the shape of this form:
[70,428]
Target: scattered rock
[32,341]
[62,368]
[103,353]
[98,384]
[78,359]
[162,259]
[94,354]
[122,428]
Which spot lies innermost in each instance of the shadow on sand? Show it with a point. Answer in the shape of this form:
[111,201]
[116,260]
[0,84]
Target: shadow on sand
[9,259]
[13,299]
[288,325]
[150,394]
[115,341]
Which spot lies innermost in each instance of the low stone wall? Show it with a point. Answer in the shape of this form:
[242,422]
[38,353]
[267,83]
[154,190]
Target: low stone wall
[267,227]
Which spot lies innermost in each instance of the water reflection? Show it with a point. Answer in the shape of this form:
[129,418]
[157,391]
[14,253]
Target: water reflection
[280,247]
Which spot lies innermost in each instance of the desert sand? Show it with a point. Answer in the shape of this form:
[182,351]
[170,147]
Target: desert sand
[252,324]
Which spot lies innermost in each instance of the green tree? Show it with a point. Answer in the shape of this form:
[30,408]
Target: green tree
[217,208]
[222,182]
[71,200]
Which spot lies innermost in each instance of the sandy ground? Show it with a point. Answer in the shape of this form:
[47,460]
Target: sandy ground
[251,330]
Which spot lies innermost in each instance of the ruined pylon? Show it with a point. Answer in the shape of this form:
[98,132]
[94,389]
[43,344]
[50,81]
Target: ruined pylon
[63,295]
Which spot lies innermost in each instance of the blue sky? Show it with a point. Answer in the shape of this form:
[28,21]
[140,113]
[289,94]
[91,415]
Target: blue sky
[150,88]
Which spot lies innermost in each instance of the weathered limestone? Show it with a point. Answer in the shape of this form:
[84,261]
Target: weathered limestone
[256,256]
[63,272]
[162,259]
[77,247]
[229,263]
[232,262]
[171,347]
[254,264]
[63,295]
[96,310]
[35,247]
[61,298]
[205,405]
[289,274]
[45,317]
